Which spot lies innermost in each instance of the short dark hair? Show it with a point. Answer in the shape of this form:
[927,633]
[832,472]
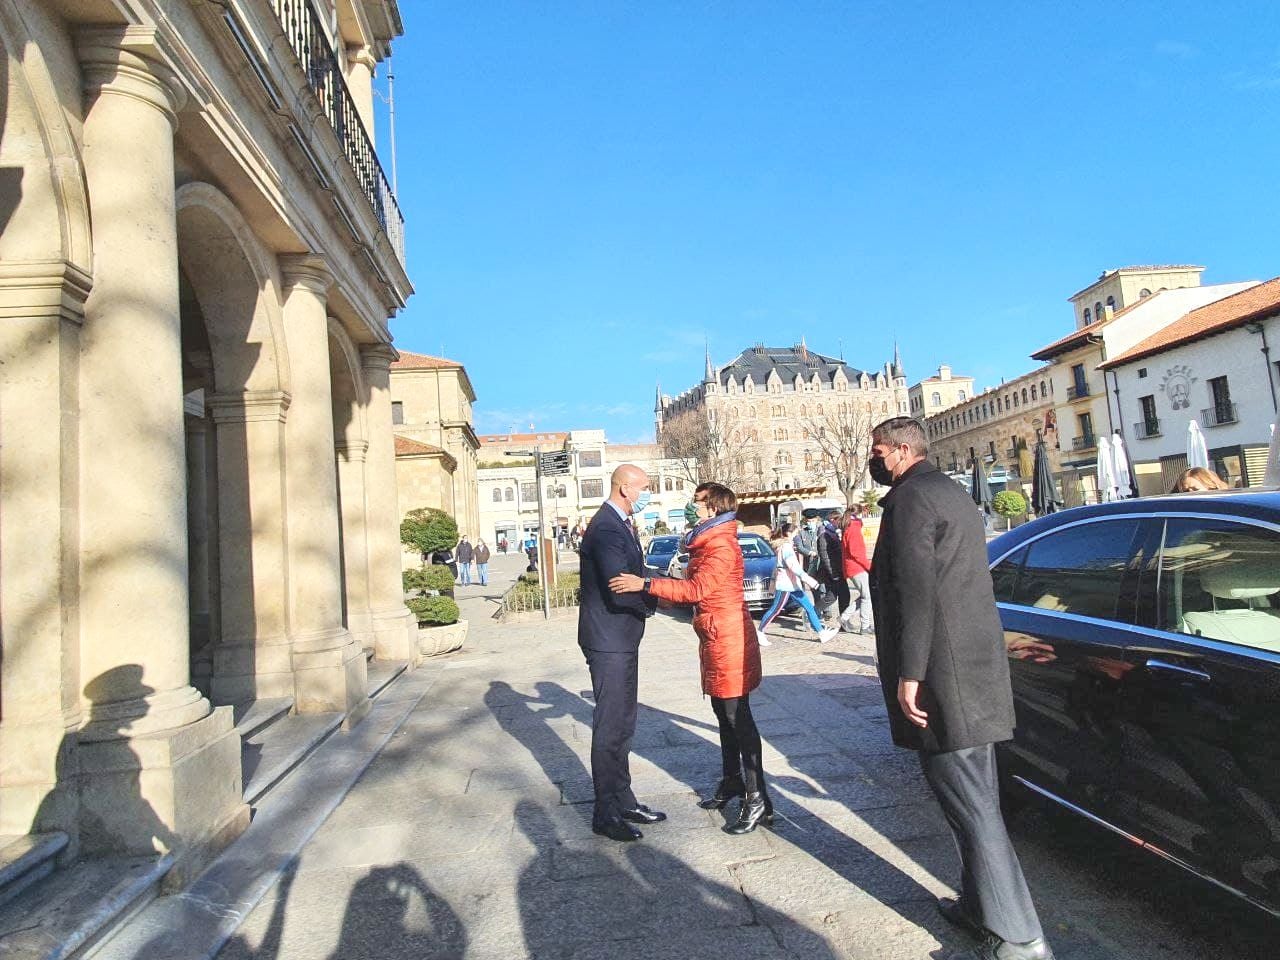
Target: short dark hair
[718,497]
[899,430]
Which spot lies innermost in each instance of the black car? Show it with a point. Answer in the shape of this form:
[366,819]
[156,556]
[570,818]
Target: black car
[660,552]
[1144,648]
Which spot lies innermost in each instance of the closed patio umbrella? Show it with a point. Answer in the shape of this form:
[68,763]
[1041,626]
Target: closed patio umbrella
[1106,472]
[979,489]
[1044,495]
[1197,451]
[1272,477]
[1124,474]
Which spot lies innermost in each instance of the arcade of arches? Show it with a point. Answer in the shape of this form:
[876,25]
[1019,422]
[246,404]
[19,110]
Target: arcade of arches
[199,495]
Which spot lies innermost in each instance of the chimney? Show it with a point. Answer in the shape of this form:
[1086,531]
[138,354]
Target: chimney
[944,372]
[1108,312]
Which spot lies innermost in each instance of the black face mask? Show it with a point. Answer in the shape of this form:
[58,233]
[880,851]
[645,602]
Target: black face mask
[879,472]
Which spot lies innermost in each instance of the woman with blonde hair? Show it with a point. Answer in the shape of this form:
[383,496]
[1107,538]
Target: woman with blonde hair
[1198,480]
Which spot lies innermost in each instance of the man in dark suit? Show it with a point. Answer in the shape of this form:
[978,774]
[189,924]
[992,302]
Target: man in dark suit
[945,675]
[610,627]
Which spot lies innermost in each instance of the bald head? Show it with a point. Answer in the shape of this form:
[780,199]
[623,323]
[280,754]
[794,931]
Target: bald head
[626,485]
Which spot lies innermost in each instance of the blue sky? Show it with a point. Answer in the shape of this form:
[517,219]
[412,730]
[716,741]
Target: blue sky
[593,190]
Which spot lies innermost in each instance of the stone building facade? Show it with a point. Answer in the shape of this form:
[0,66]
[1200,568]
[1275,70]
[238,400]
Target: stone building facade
[436,444]
[782,417]
[508,494]
[935,394]
[1001,425]
[198,260]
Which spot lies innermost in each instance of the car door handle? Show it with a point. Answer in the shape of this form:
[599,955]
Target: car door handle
[1187,673]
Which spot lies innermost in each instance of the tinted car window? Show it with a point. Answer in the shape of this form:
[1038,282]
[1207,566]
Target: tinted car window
[1079,569]
[1004,575]
[754,547]
[1221,580]
[663,545]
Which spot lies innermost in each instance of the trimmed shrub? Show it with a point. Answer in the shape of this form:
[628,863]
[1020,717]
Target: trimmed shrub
[1009,503]
[428,530]
[435,611]
[437,577]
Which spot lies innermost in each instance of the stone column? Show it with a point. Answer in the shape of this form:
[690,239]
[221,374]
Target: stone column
[329,666]
[361,65]
[355,543]
[395,629]
[41,309]
[253,658]
[160,769]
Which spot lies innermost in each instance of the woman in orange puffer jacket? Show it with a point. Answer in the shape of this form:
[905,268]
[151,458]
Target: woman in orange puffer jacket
[728,648]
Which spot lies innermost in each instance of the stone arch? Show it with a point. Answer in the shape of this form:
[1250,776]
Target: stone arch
[237,286]
[347,382]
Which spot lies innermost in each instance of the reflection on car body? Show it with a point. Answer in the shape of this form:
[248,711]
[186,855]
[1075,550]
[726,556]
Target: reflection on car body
[660,552]
[1144,651]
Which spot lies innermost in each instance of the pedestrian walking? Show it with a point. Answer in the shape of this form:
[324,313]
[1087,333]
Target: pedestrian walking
[728,653]
[857,570]
[945,678]
[465,555]
[831,569]
[610,628]
[789,582]
[482,562]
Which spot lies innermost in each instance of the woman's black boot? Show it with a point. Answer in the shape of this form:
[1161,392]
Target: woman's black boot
[756,808]
[726,790]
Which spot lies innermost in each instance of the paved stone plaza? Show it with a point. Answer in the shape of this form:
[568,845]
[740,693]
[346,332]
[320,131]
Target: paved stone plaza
[469,835]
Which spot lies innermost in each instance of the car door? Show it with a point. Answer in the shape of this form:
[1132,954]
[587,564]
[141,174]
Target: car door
[1204,754]
[1066,604]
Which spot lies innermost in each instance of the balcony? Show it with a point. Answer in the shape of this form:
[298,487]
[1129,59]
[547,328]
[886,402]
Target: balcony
[1079,391]
[1087,442]
[304,30]
[1146,429]
[1219,414]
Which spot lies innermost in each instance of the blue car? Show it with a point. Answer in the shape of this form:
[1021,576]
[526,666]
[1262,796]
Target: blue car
[661,551]
[758,564]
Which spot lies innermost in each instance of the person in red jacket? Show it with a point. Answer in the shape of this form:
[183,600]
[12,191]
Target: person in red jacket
[728,649]
[856,571]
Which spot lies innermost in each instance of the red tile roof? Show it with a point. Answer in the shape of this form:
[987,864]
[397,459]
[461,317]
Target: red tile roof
[1236,310]
[1076,337]
[420,361]
[407,448]
[551,435]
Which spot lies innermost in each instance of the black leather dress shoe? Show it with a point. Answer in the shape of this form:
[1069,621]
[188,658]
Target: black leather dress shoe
[726,790]
[954,911]
[993,948]
[617,830]
[642,814]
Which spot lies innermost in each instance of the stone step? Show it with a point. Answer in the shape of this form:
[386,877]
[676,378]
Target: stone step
[274,751]
[26,859]
[72,910]
[256,715]
[382,672]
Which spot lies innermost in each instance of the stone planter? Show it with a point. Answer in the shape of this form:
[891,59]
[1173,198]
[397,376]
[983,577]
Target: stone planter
[435,640]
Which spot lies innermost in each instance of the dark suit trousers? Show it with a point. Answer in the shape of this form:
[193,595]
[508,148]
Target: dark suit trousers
[991,882]
[615,685]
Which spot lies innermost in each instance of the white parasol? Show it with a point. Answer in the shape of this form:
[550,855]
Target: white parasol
[1106,472]
[1197,451]
[1123,474]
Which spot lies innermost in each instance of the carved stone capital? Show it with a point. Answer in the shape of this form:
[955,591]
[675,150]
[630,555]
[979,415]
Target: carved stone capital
[248,405]
[127,61]
[306,270]
[378,356]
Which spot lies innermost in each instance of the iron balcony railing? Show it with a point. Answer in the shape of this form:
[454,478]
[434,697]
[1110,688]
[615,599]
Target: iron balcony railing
[1145,429]
[1087,442]
[1218,414]
[303,27]
[1077,391]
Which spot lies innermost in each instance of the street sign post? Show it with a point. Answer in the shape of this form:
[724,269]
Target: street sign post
[554,464]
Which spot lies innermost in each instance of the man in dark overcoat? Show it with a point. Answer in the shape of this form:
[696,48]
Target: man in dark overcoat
[945,675]
[610,627]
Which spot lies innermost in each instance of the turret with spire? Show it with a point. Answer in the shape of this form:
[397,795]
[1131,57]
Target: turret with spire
[897,361]
[709,375]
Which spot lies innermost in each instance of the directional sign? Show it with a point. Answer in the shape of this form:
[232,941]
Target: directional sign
[553,464]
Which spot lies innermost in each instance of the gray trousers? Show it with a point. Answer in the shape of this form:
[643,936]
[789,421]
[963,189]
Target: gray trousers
[992,887]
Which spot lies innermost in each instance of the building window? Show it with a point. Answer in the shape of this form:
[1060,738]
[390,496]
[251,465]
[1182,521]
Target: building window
[1024,395]
[937,399]
[528,492]
[556,491]
[497,495]
[679,484]
[991,448]
[960,394]
[1097,310]
[668,484]
[1144,293]
[1088,316]
[509,494]
[1223,410]
[397,411]
[1111,302]
[1079,384]
[1149,426]
[591,489]
[1043,392]
[589,458]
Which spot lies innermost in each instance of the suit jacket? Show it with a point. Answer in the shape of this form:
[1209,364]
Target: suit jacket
[936,617]
[610,621]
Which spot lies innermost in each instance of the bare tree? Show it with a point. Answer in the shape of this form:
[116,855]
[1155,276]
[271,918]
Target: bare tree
[711,449]
[842,433]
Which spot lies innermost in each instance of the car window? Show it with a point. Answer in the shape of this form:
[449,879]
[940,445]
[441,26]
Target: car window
[663,545]
[754,547]
[1004,575]
[1221,580]
[1078,569]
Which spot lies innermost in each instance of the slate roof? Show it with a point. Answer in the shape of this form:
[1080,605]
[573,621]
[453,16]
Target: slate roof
[1220,316]
[759,361]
